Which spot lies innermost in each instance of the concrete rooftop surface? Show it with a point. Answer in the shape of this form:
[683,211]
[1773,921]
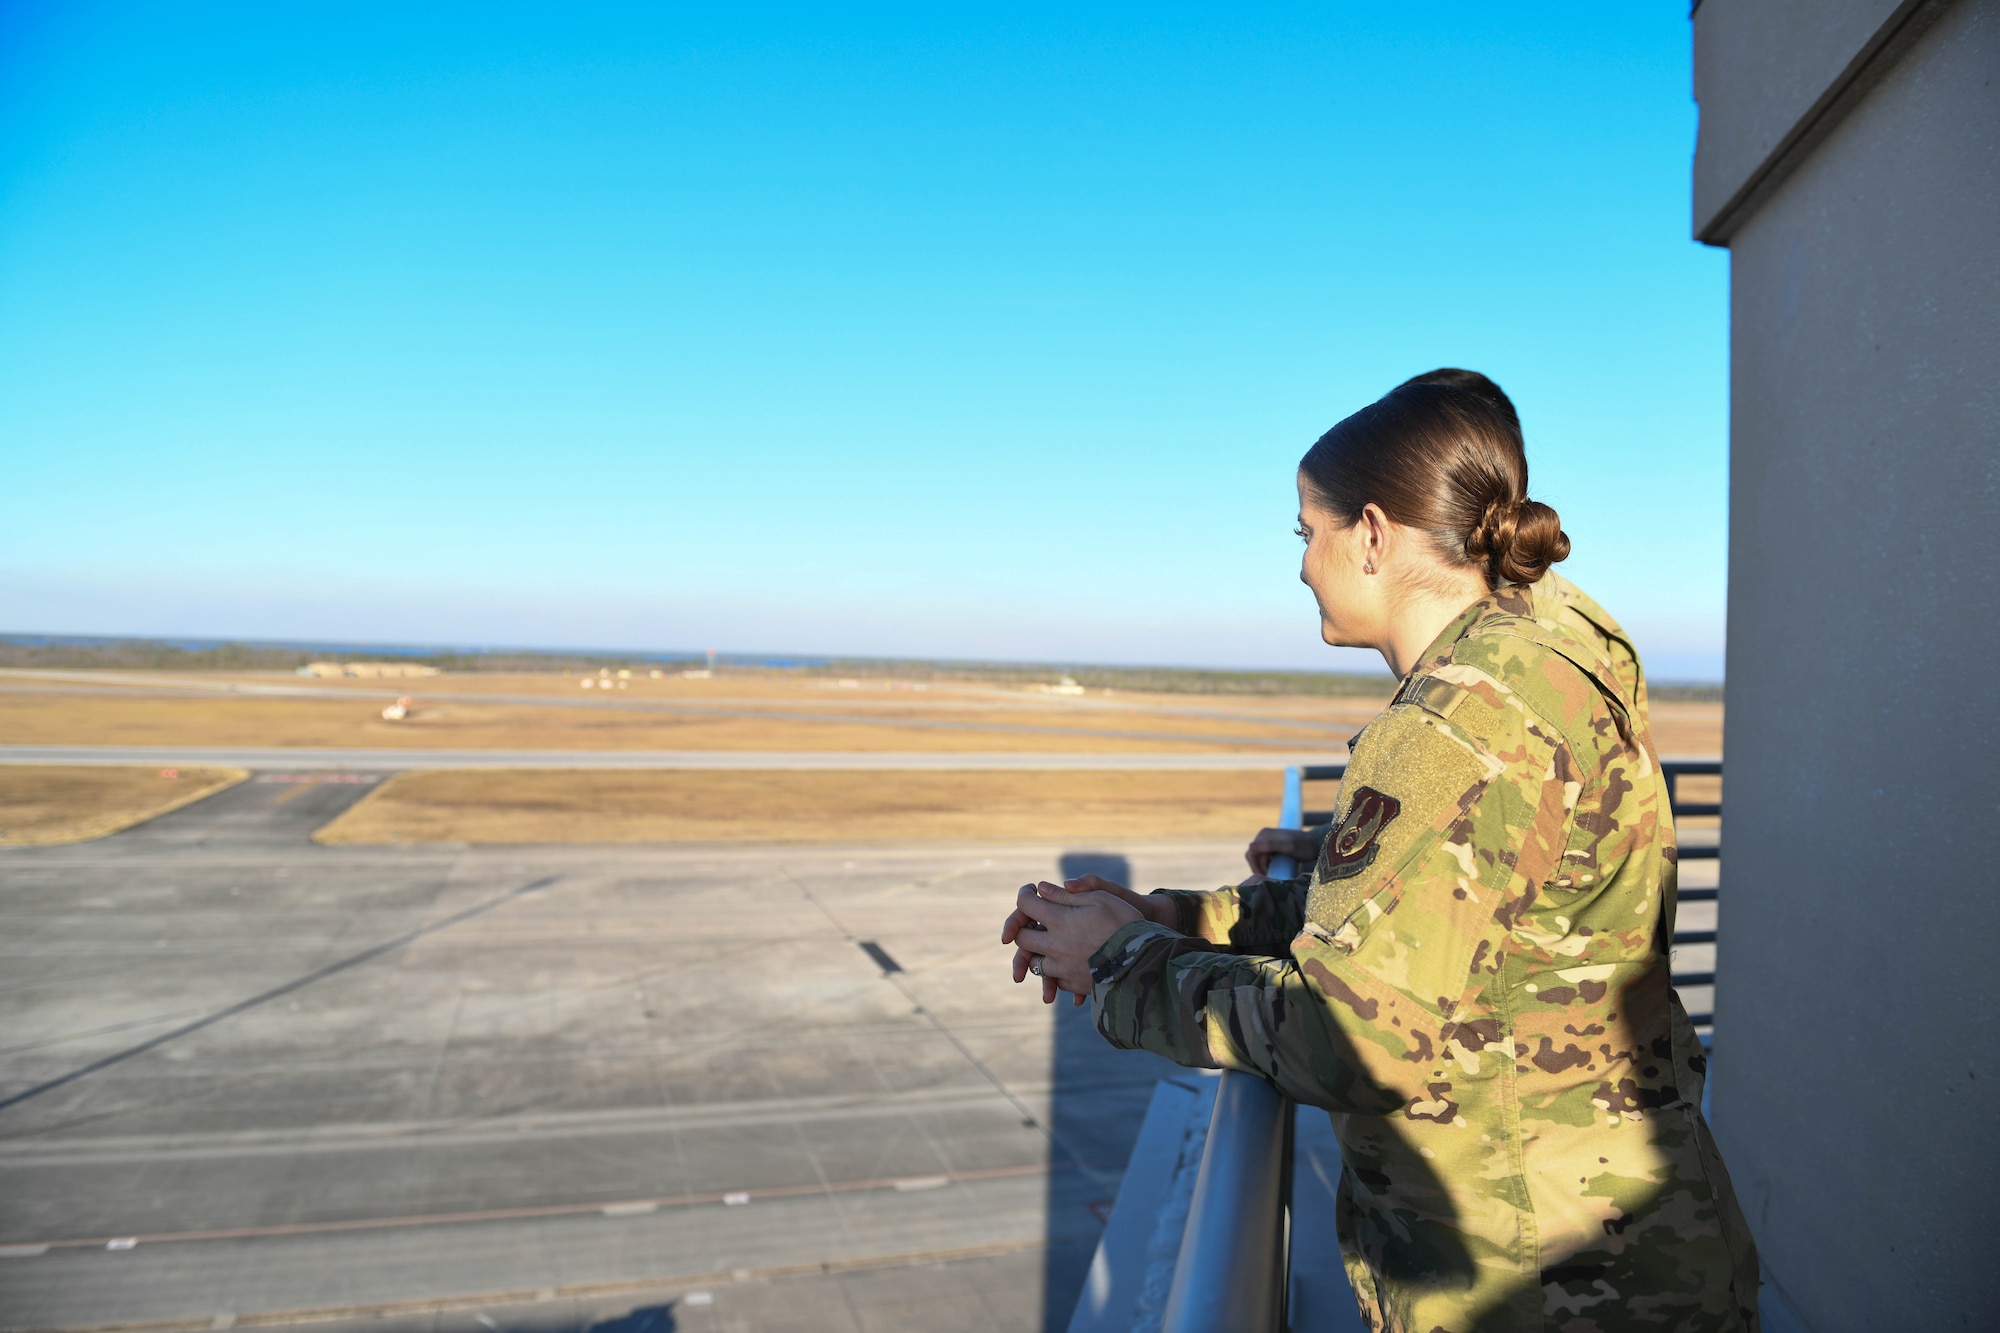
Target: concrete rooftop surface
[248,1080]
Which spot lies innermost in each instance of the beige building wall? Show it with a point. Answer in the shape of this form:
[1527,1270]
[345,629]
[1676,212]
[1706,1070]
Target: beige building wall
[367,670]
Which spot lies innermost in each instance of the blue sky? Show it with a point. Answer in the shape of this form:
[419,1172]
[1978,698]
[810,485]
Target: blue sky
[923,332]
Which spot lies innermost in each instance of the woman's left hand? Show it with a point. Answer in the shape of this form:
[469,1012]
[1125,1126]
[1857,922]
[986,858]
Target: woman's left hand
[1063,929]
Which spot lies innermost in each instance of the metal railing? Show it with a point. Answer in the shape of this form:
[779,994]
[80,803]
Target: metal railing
[1233,1269]
[1232,1274]
[1676,769]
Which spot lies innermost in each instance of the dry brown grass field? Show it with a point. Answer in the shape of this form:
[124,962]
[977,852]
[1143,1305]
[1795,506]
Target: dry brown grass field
[553,805]
[751,712]
[41,805]
[798,717]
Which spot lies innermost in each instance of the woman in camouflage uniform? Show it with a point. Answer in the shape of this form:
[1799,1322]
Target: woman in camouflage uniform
[1473,979]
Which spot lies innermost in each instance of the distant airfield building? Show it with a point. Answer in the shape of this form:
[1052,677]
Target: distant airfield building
[367,670]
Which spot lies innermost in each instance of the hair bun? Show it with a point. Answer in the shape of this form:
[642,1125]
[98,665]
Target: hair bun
[1441,454]
[1517,539]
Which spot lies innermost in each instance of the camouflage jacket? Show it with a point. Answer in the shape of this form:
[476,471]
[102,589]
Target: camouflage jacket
[1474,982]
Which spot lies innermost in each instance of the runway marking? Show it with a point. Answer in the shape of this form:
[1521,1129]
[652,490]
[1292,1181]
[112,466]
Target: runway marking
[576,1291]
[276,992]
[613,1208]
[140,1150]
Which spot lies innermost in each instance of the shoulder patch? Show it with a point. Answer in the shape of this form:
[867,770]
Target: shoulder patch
[1354,843]
[1435,695]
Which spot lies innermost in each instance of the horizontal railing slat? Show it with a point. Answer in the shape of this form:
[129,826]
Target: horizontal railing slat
[1692,768]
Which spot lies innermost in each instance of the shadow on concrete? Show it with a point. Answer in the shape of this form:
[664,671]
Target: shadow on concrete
[658,1318]
[651,1319]
[1099,1096]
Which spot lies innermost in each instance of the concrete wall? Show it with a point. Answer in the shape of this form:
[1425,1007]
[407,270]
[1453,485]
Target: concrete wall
[1857,1094]
[1766,73]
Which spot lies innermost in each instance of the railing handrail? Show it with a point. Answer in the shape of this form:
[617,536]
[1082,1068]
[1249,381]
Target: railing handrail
[1231,1276]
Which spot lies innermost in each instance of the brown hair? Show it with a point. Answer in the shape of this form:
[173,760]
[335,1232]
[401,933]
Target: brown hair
[1442,453]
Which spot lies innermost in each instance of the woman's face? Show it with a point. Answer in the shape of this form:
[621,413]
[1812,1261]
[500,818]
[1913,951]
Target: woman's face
[1349,601]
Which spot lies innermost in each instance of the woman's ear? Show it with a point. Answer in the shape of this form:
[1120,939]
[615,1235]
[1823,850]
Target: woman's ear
[1374,531]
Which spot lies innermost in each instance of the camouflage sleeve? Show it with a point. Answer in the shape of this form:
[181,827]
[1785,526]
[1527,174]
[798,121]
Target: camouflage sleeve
[1258,919]
[1158,991]
[1406,919]
[1255,919]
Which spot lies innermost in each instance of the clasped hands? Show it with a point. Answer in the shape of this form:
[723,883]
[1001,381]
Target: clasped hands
[1063,924]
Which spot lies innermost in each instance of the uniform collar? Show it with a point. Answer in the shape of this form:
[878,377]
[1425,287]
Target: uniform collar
[1510,600]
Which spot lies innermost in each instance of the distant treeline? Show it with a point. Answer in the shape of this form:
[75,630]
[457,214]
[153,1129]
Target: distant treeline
[1685,692]
[52,651]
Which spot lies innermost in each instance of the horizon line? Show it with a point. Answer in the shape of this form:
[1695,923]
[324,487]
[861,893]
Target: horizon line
[767,660]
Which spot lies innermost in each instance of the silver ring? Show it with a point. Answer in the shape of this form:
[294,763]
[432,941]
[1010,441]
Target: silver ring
[1035,965]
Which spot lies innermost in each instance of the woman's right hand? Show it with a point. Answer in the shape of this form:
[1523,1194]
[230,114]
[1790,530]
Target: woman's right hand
[1154,907]
[1272,842]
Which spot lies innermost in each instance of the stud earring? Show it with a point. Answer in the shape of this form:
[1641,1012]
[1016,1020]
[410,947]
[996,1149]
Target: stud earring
[1368,568]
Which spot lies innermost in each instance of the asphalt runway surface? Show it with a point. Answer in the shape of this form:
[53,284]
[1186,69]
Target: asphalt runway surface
[246,1080]
[384,761]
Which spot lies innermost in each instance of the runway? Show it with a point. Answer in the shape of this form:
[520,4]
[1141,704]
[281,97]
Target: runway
[248,1080]
[304,758]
